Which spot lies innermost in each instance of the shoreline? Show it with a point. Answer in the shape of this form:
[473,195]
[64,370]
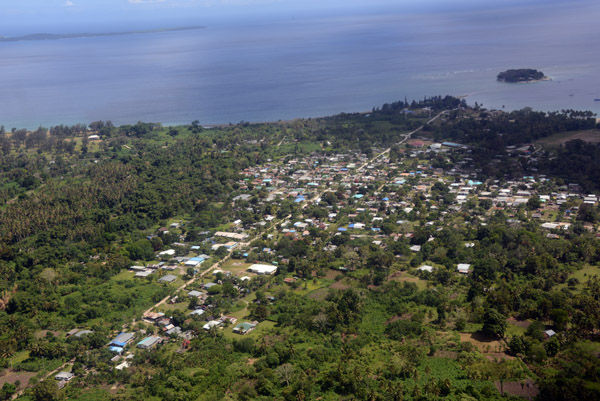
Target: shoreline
[545,78]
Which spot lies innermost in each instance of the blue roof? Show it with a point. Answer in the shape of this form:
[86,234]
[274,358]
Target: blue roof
[299,199]
[148,341]
[351,225]
[116,349]
[375,229]
[342,229]
[386,199]
[358,196]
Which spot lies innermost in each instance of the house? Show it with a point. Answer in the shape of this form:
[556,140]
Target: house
[174,331]
[153,316]
[82,333]
[549,333]
[244,328]
[194,293]
[235,236]
[122,339]
[211,324]
[197,312]
[167,253]
[169,278]
[195,261]
[64,376]
[426,268]
[262,269]
[463,268]
[148,342]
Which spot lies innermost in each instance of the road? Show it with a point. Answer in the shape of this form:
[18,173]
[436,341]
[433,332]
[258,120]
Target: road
[240,245]
[406,138]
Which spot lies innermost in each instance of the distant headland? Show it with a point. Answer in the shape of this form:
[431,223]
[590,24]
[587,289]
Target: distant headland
[53,36]
[522,75]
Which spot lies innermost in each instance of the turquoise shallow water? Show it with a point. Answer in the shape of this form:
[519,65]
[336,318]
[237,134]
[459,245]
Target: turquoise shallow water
[301,68]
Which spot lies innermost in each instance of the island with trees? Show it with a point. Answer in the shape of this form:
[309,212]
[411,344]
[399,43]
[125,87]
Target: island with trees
[421,251]
[521,75]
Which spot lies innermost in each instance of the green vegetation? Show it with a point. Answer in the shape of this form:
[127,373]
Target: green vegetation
[365,227]
[520,75]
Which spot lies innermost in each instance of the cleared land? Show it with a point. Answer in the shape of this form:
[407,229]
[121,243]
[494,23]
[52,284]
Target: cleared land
[591,136]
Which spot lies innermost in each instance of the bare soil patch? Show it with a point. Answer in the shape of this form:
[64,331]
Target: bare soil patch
[340,285]
[319,295]
[42,333]
[11,376]
[492,356]
[331,274]
[405,316]
[591,136]
[519,323]
[483,343]
[446,354]
[527,389]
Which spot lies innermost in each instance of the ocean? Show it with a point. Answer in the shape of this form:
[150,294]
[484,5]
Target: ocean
[305,67]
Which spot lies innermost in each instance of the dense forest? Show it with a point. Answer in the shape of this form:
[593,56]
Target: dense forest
[366,226]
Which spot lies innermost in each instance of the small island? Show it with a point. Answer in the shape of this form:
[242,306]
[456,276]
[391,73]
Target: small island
[521,75]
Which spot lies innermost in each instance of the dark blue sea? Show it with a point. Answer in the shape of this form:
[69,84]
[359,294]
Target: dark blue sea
[282,69]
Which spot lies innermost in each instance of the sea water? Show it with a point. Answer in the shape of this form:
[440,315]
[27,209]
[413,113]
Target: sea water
[306,67]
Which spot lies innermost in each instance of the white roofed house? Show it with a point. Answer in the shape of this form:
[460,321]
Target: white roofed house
[463,268]
[262,269]
[425,268]
[167,253]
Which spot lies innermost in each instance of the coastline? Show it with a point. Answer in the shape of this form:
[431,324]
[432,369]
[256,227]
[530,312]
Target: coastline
[545,78]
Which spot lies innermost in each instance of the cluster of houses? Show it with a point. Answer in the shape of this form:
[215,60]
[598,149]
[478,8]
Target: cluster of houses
[366,193]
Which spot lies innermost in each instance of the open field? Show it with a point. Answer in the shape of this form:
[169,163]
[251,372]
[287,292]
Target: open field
[583,275]
[12,377]
[482,343]
[237,267]
[409,278]
[591,136]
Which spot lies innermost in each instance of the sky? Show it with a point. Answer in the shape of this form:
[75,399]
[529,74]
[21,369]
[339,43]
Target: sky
[19,17]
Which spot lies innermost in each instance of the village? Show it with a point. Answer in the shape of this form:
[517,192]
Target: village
[219,283]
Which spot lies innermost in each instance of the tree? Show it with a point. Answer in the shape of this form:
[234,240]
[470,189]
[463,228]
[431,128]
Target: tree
[517,345]
[534,203]
[140,250]
[8,389]
[46,391]
[285,373]
[494,323]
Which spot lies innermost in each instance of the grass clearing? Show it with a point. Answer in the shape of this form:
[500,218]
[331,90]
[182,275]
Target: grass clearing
[591,136]
[482,343]
[583,275]
[237,267]
[409,278]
